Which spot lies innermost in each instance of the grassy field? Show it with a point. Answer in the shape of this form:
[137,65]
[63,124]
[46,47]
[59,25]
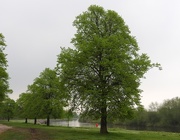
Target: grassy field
[21,131]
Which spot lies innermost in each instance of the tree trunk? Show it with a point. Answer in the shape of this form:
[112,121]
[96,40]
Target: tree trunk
[48,120]
[103,129]
[68,119]
[35,120]
[26,120]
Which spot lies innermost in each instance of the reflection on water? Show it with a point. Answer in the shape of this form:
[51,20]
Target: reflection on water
[72,123]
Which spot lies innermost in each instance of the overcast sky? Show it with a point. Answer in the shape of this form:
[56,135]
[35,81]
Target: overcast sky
[34,30]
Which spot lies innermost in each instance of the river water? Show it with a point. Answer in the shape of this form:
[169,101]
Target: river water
[72,123]
[76,123]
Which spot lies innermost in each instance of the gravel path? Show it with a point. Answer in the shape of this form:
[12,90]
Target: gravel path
[4,128]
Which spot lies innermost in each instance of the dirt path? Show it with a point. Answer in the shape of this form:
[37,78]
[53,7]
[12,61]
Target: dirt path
[4,128]
[38,135]
[32,133]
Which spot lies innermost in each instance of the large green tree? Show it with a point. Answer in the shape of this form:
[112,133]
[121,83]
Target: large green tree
[4,85]
[103,70]
[48,98]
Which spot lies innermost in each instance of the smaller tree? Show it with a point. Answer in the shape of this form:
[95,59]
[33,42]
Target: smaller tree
[25,106]
[8,108]
[69,115]
[46,90]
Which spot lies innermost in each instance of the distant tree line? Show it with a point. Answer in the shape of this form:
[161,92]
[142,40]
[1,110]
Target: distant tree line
[165,115]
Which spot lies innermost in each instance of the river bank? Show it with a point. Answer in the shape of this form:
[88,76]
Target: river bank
[76,123]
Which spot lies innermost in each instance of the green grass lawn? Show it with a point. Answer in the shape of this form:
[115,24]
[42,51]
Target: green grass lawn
[23,131]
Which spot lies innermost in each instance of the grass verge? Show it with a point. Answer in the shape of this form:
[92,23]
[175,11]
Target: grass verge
[21,131]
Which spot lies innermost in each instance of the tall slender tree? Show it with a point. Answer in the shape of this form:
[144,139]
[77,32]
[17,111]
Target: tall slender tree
[103,71]
[4,85]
